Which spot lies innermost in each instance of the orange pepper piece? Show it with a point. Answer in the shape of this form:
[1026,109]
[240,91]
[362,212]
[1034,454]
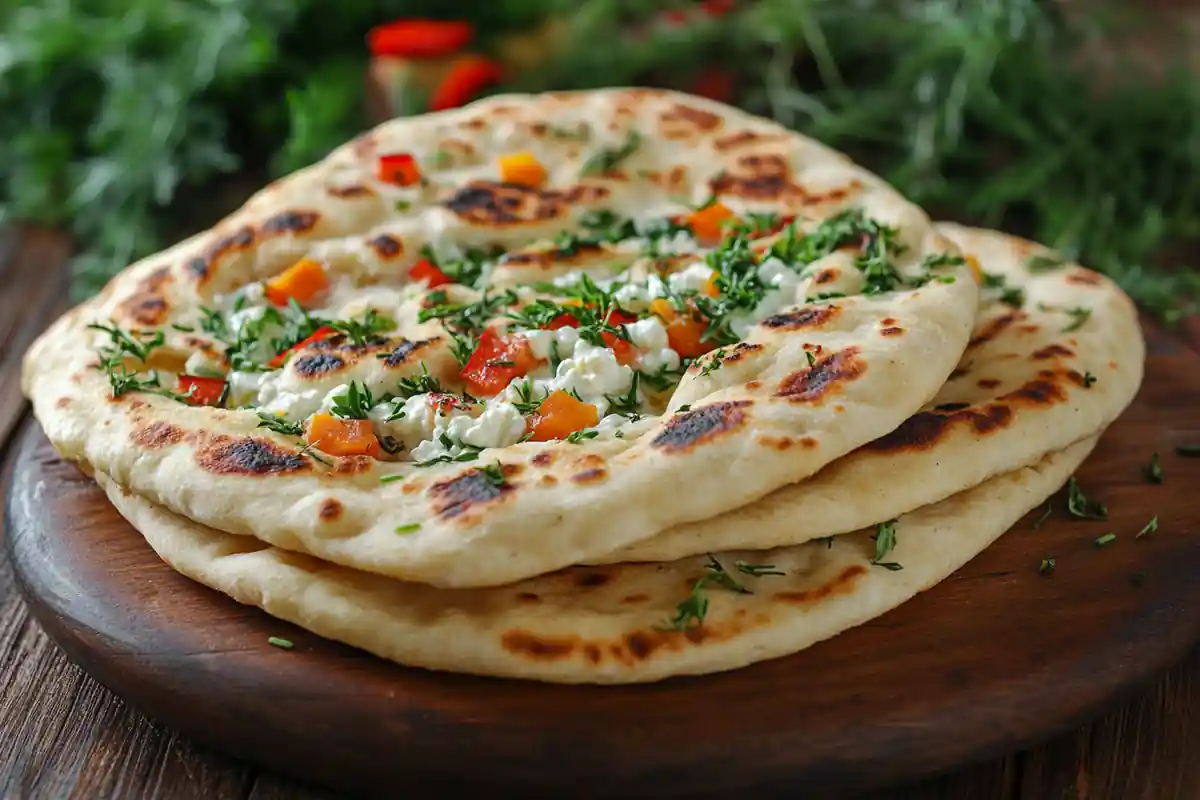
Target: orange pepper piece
[342,437]
[522,168]
[684,337]
[663,309]
[710,287]
[560,415]
[302,281]
[707,223]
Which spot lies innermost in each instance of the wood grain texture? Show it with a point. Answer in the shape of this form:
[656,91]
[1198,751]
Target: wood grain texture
[995,657]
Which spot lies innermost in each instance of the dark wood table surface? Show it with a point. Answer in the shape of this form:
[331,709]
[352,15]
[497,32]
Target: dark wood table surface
[64,735]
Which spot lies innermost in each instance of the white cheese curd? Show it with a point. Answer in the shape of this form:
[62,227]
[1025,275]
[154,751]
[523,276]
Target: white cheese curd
[542,342]
[611,424]
[240,319]
[691,279]
[293,406]
[203,363]
[652,361]
[500,425]
[416,421]
[245,387]
[647,334]
[254,293]
[592,372]
[637,295]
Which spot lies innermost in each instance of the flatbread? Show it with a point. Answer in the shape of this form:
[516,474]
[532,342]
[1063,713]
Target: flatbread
[809,383]
[604,624]
[1034,379]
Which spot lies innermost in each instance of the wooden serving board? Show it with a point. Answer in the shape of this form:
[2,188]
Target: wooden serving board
[994,658]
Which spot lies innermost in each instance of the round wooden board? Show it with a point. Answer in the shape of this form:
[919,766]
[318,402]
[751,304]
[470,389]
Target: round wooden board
[994,658]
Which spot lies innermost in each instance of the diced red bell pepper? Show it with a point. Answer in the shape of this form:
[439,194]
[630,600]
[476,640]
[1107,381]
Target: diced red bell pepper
[398,168]
[201,390]
[495,363]
[469,76]
[419,38]
[563,320]
[323,332]
[426,270]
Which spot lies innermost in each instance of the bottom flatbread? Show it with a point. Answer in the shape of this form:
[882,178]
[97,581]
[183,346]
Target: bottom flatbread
[605,624]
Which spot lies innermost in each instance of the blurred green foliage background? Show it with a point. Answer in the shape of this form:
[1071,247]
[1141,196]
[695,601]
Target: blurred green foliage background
[122,120]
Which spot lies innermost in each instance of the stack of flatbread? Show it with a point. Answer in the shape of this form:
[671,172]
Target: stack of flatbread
[586,387]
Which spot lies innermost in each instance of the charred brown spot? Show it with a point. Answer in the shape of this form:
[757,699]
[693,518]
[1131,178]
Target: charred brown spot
[1029,327]
[317,365]
[457,496]
[744,137]
[828,275]
[62,402]
[992,329]
[590,475]
[891,331]
[548,480]
[223,455]
[780,443]
[807,442]
[752,385]
[402,351]
[543,648]
[386,247]
[888,321]
[824,377]
[289,222]
[528,597]
[691,428]
[493,204]
[810,317]
[147,305]
[156,435]
[202,266]
[923,430]
[1053,351]
[841,584]
[987,383]
[592,653]
[951,406]
[769,177]
[739,351]
[1084,277]
[1044,391]
[680,121]
[355,190]
[957,372]
[592,579]
[634,599]
[545,259]
[330,510]
[672,179]
[543,459]
[641,645]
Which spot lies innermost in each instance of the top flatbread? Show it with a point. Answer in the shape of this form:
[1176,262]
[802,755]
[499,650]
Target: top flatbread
[1057,354]
[810,382]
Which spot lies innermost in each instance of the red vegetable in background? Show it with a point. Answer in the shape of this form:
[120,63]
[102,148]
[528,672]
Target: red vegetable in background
[419,38]
[204,391]
[469,76]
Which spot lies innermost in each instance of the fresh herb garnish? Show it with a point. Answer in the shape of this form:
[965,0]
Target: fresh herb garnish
[1150,527]
[1043,263]
[1105,539]
[628,404]
[493,474]
[757,570]
[309,450]
[419,384]
[356,403]
[390,478]
[1044,516]
[409,528]
[1153,470]
[714,363]
[278,424]
[283,644]
[885,542]
[1080,505]
[812,360]
[691,612]
[362,331]
[1079,315]
[1088,380]
[577,437]
[1013,296]
[1047,565]
[608,159]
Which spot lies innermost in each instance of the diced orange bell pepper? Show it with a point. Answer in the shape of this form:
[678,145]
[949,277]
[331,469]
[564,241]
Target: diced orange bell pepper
[560,415]
[469,76]
[301,282]
[495,363]
[708,223]
[426,270]
[398,168]
[342,437]
[323,332]
[419,38]
[522,168]
[710,287]
[663,309]
[976,270]
[201,390]
[684,331]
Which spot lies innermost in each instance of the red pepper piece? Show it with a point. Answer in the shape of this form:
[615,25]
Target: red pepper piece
[419,38]
[323,332]
[204,391]
[467,78]
[495,363]
[398,168]
[426,270]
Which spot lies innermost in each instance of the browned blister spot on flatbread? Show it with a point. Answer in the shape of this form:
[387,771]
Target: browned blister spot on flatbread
[744,137]
[768,177]
[1029,327]
[891,330]
[1045,390]
[842,583]
[994,328]
[399,356]
[317,365]
[671,180]
[1083,277]
[202,266]
[386,247]
[828,275]
[685,122]
[353,465]
[740,351]
[292,221]
[330,510]
[752,385]
[826,376]
[780,443]
[156,435]
[499,205]
[543,459]
[635,599]
[594,475]
[147,305]
[1052,351]
[539,648]
[987,383]
[62,402]
[585,578]
[456,496]
[691,428]
[227,455]
[555,257]
[923,430]
[530,598]
[801,318]
[354,190]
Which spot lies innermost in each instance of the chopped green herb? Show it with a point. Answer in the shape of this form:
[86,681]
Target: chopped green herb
[1105,539]
[278,424]
[409,528]
[1150,527]
[403,205]
[363,331]
[1088,380]
[493,474]
[309,450]
[1080,506]
[691,612]
[757,570]
[713,364]
[885,542]
[419,384]
[812,360]
[1079,316]
[1043,517]
[183,328]
[576,437]
[391,478]
[283,644]
[683,408]
[356,403]
[1043,263]
[1153,470]
[1047,565]
[1013,296]
[609,159]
